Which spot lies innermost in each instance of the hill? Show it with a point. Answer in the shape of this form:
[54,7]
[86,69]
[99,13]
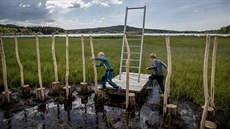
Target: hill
[120,29]
[10,29]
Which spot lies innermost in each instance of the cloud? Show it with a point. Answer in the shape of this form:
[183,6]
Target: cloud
[39,4]
[22,5]
[23,10]
[107,3]
[53,4]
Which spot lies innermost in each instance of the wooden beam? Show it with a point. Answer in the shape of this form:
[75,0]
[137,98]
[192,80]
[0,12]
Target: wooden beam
[94,64]
[205,82]
[212,104]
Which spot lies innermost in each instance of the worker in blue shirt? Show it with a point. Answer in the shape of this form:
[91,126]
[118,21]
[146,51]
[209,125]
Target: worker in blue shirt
[158,72]
[107,77]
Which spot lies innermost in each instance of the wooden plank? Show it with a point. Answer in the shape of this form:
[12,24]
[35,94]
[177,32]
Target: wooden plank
[134,85]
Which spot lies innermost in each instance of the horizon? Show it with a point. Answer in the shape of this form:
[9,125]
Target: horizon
[175,15]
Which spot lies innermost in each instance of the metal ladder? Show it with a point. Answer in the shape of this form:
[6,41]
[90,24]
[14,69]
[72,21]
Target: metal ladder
[133,46]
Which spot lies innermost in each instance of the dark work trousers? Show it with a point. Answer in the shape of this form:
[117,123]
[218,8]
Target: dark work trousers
[160,80]
[108,77]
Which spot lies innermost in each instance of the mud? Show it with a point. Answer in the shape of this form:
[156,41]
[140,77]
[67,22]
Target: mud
[85,112]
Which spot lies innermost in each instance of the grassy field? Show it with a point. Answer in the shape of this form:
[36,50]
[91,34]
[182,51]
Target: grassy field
[187,63]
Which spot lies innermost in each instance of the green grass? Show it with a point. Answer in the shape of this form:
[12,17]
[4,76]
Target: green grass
[187,63]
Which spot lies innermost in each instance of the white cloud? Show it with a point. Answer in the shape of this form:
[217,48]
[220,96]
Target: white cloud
[39,4]
[50,4]
[99,21]
[106,3]
[22,5]
[102,18]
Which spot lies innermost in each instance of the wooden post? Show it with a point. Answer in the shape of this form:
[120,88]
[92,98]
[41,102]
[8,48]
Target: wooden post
[205,81]
[210,114]
[55,89]
[6,94]
[172,109]
[67,87]
[83,57]
[212,104]
[101,94]
[94,64]
[161,99]
[131,100]
[84,87]
[24,88]
[127,73]
[209,125]
[26,91]
[40,91]
[167,82]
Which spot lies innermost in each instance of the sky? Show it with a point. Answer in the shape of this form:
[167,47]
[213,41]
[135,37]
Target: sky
[182,15]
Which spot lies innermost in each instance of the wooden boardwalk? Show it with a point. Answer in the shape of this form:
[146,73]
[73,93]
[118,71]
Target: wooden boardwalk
[134,86]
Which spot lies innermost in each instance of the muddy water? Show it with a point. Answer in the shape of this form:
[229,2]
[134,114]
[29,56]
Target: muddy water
[86,113]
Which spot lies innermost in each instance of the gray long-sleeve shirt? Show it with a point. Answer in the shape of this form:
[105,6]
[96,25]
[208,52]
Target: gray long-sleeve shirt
[157,66]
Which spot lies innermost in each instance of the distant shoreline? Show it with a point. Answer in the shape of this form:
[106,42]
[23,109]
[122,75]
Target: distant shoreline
[118,34]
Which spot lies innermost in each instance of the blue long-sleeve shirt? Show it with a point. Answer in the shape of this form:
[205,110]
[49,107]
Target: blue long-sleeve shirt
[157,66]
[104,62]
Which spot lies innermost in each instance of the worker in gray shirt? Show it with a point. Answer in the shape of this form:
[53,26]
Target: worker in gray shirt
[158,75]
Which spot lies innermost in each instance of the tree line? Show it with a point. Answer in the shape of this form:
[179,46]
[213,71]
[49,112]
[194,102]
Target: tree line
[10,29]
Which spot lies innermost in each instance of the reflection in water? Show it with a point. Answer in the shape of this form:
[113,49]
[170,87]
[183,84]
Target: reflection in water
[68,107]
[84,100]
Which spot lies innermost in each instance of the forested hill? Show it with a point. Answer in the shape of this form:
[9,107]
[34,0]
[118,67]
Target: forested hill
[120,29]
[10,29]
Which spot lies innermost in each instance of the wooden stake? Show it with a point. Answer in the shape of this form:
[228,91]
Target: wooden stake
[18,61]
[84,88]
[41,89]
[101,94]
[55,88]
[212,104]
[210,114]
[54,59]
[6,94]
[209,125]
[94,64]
[40,94]
[172,109]
[83,57]
[24,88]
[67,68]
[131,100]
[167,82]
[205,81]
[127,72]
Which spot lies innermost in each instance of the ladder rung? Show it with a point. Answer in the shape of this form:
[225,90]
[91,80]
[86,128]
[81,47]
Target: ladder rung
[133,60]
[133,53]
[133,46]
[133,67]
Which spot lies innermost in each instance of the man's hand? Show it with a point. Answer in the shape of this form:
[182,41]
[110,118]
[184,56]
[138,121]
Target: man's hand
[146,68]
